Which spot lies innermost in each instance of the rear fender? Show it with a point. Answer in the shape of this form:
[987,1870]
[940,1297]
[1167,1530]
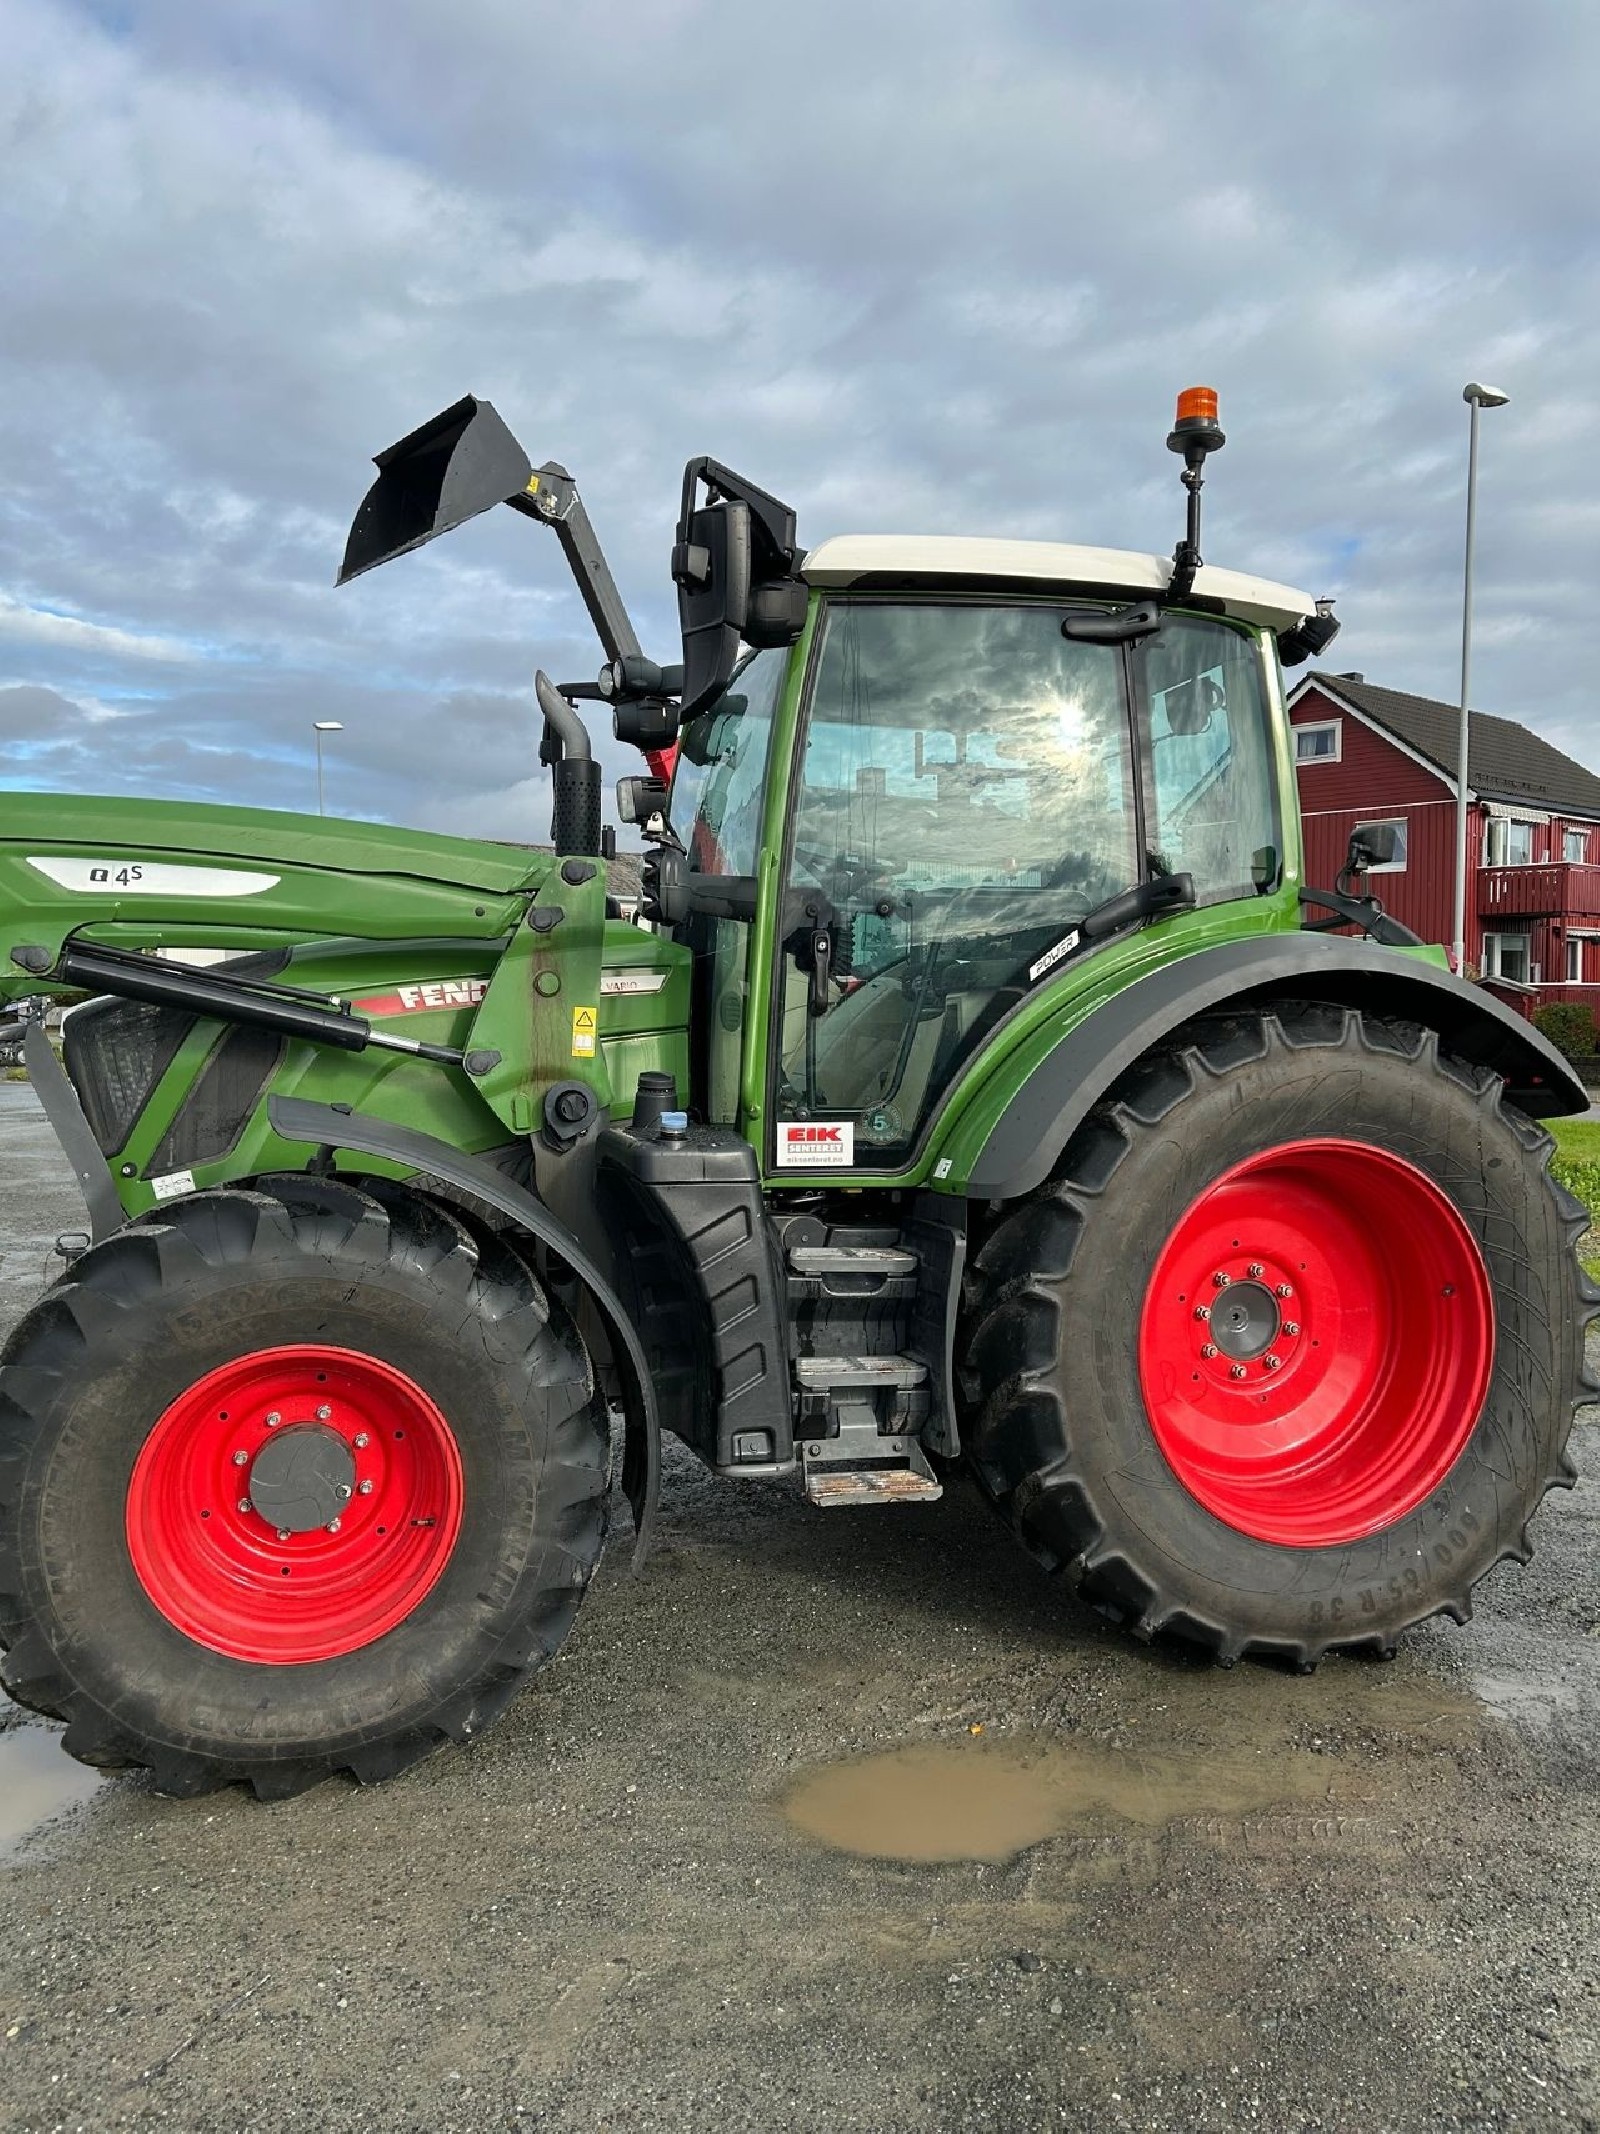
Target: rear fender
[1026,1141]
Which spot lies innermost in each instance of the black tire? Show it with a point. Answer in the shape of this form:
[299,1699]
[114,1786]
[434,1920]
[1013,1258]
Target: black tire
[142,1317]
[1056,1423]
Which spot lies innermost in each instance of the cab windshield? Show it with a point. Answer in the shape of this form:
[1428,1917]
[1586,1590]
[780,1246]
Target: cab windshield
[972,784]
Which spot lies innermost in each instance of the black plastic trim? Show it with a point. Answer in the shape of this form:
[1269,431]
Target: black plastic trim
[937,1234]
[330,1126]
[705,1190]
[73,1131]
[1026,1140]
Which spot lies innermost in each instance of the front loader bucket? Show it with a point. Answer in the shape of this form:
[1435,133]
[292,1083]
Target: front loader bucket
[441,475]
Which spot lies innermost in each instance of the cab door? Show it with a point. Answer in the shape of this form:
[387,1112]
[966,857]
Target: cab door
[718,800]
[964,795]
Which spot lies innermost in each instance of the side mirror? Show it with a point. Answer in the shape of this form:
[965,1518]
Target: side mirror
[711,564]
[1376,845]
[736,567]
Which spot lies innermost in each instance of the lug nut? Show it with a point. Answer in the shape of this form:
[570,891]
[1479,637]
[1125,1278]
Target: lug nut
[1219,1280]
[1269,1362]
[1236,1370]
[1283,1290]
[274,1419]
[366,1489]
[1291,1326]
[245,1505]
[1202,1311]
[283,1533]
[324,1412]
[334,1525]
[344,1489]
[241,1459]
[1255,1270]
[1208,1349]
[362,1441]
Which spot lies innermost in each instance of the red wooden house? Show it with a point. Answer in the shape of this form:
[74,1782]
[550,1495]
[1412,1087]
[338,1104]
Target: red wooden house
[1368,755]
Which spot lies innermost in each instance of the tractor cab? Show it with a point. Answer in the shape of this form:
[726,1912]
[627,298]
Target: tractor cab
[985,757]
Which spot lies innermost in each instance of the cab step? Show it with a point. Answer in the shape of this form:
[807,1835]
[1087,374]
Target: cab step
[858,1374]
[860,1461]
[884,1262]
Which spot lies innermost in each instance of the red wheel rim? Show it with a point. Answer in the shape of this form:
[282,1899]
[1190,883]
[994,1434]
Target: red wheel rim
[383,1466]
[1316,1342]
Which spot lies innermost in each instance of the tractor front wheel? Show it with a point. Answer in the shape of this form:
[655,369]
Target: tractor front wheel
[291,1481]
[1287,1354]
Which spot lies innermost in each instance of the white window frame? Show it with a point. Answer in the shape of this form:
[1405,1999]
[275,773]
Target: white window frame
[1402,823]
[1494,947]
[1574,956]
[1319,726]
[1580,858]
[1497,839]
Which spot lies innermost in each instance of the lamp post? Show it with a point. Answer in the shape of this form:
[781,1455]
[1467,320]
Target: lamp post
[320,727]
[1476,396]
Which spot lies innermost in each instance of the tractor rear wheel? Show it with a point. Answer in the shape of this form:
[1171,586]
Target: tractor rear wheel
[1287,1353]
[292,1481]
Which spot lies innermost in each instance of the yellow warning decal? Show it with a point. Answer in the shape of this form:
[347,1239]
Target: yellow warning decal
[583,1029]
[533,486]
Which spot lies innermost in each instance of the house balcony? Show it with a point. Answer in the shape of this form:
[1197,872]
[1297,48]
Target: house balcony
[1552,890]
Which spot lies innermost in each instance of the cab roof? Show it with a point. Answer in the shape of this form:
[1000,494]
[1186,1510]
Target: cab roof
[850,559]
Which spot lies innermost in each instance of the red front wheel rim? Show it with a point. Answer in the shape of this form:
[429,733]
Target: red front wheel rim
[1316,1342]
[295,1504]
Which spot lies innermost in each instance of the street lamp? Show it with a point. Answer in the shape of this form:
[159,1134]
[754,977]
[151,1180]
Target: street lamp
[320,727]
[1476,396]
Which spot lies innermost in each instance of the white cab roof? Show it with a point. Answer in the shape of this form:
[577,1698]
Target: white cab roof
[850,557]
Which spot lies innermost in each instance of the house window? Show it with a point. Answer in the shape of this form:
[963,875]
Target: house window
[1400,827]
[1318,741]
[1507,843]
[1574,958]
[1507,956]
[1575,847]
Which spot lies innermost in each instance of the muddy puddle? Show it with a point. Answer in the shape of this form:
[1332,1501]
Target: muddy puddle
[38,1782]
[967,1800]
[1209,1747]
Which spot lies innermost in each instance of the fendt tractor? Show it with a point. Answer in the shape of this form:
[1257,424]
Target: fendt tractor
[986,1090]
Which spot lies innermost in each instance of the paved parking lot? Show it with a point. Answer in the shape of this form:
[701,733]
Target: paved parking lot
[1362,1900]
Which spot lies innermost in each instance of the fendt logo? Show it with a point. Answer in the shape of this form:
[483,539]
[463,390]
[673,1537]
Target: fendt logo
[430,996]
[827,1145]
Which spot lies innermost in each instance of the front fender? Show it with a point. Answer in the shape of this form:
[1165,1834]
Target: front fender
[1024,1144]
[338,1127]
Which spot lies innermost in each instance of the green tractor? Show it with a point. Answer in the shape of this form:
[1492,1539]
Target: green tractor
[985,1088]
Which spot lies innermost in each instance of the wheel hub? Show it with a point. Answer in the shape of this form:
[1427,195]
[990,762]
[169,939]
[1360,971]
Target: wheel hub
[302,1478]
[295,1504]
[1316,1342]
[1245,1321]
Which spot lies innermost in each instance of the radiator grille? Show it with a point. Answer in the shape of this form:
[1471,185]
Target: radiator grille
[225,1092]
[116,1051]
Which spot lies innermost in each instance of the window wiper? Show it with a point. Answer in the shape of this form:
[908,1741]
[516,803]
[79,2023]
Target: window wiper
[1094,626]
[1147,900]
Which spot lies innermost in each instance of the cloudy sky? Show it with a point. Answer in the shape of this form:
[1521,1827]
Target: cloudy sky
[919,265]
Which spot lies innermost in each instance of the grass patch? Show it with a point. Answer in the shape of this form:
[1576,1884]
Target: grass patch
[1576,1164]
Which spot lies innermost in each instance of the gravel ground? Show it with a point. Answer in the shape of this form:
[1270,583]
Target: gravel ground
[1362,1900]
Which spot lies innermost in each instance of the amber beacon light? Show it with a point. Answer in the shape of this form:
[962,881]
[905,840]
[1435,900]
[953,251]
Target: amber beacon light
[1195,433]
[1197,403]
